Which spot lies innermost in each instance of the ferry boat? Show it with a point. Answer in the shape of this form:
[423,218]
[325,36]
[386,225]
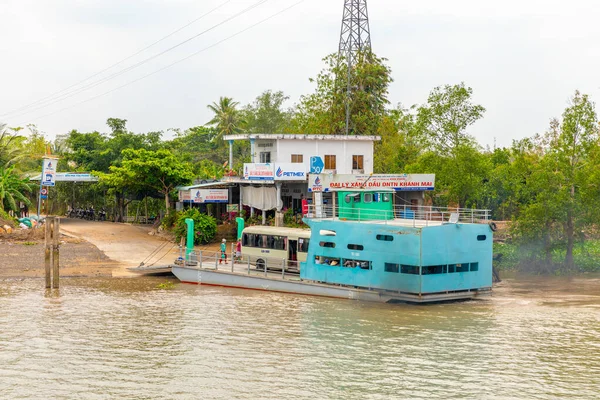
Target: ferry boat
[366,248]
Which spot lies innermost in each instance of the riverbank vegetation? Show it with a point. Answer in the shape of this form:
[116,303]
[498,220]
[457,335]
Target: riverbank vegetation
[545,185]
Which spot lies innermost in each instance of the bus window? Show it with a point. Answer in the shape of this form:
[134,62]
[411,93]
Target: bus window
[303,245]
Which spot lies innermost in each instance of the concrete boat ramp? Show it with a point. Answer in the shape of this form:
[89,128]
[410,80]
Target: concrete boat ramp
[245,276]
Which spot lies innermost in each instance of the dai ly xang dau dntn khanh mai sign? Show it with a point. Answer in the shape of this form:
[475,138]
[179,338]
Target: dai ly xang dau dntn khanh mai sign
[398,182]
[200,196]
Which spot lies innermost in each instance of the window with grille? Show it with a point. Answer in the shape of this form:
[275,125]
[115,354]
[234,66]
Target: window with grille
[297,158]
[330,162]
[357,162]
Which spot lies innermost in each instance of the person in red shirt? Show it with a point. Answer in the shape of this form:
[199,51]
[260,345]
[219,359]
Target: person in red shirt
[304,206]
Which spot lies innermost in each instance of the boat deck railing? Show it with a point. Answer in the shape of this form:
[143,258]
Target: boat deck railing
[251,265]
[406,215]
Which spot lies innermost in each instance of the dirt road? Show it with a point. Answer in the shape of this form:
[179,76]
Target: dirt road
[126,244]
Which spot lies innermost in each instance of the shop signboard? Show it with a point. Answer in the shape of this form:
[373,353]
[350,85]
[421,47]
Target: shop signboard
[185,195]
[202,196]
[49,172]
[259,172]
[290,172]
[398,182]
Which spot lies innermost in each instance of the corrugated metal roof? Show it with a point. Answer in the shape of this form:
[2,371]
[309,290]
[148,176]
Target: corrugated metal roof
[204,185]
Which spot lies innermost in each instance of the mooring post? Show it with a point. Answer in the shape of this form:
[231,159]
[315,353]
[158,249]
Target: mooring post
[47,253]
[56,253]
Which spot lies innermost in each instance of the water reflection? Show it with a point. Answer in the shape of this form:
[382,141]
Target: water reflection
[124,338]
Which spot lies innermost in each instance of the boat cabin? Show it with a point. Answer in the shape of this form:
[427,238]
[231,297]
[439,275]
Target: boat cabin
[372,244]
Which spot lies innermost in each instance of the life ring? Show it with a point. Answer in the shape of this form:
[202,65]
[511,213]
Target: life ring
[493,226]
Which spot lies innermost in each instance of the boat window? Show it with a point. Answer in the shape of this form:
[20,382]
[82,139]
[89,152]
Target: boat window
[409,269]
[303,245]
[348,263]
[356,247]
[324,232]
[376,198]
[327,244]
[464,267]
[385,238]
[474,266]
[352,198]
[481,238]
[434,269]
[323,260]
[392,267]
[385,197]
[368,197]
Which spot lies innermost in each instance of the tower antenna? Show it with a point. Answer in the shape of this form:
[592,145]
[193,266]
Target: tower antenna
[355,37]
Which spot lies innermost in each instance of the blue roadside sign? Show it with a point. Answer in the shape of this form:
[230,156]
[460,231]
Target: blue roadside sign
[316,165]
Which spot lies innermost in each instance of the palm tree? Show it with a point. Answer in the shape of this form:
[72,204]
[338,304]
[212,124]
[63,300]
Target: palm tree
[11,190]
[227,118]
[10,146]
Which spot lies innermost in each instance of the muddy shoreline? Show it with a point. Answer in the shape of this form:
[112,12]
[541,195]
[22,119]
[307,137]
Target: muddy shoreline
[25,258]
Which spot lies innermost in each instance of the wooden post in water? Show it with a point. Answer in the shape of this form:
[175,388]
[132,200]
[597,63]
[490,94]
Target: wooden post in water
[47,253]
[52,252]
[56,253]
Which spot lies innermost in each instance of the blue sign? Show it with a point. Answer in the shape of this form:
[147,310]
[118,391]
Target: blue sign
[316,165]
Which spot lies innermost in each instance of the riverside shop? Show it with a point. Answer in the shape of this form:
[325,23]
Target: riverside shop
[409,189]
[277,177]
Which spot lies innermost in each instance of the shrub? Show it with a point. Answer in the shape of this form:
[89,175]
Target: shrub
[205,226]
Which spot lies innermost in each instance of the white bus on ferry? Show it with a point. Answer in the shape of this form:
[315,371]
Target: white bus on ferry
[275,246]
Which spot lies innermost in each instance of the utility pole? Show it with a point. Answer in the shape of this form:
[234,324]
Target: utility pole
[354,38]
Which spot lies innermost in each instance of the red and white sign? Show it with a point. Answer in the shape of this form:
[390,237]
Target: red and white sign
[398,182]
[259,172]
[209,195]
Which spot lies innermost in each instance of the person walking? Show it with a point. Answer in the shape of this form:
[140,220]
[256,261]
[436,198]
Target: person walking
[223,251]
[238,250]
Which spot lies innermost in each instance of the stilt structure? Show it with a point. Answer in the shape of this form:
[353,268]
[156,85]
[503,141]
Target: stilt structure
[354,38]
[52,252]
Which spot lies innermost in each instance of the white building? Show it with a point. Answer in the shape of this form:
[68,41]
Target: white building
[278,175]
[341,154]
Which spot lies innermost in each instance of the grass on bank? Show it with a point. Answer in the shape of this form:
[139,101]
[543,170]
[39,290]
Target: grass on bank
[514,257]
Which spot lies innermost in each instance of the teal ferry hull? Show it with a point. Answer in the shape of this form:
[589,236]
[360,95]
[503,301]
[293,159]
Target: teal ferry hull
[436,259]
[274,283]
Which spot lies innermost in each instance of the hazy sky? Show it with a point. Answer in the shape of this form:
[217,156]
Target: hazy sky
[523,59]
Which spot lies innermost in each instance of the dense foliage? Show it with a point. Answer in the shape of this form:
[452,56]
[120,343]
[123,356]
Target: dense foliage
[205,226]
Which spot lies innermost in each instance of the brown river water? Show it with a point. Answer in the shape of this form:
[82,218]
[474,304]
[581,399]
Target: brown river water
[123,338]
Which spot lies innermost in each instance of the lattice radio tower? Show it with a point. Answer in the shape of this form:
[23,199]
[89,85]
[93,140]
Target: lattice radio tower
[354,38]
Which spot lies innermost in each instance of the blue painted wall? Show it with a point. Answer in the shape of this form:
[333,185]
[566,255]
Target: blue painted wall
[438,245]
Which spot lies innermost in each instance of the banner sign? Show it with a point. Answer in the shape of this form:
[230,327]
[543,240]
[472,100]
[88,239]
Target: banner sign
[185,195]
[70,177]
[259,172]
[290,172]
[233,208]
[200,196]
[398,182]
[49,172]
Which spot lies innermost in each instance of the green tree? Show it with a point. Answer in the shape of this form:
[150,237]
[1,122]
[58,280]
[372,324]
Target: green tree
[324,111]
[570,152]
[266,114]
[453,155]
[146,169]
[227,118]
[444,120]
[11,145]
[12,189]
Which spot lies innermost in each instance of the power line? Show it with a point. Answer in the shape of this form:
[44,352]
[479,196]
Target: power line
[172,64]
[134,66]
[117,63]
